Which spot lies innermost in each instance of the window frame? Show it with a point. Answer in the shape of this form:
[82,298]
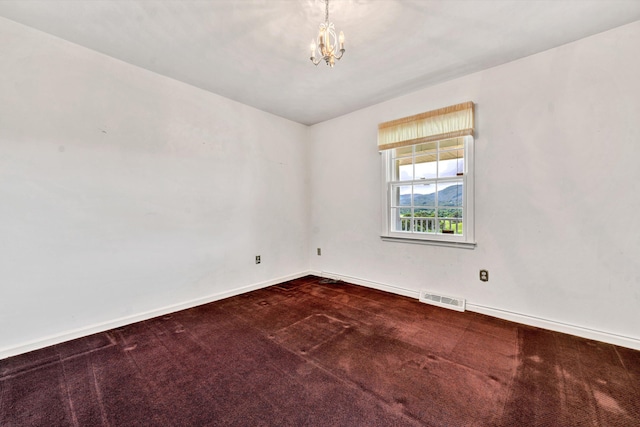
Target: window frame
[467,239]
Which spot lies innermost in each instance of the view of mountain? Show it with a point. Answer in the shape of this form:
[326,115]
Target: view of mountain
[450,196]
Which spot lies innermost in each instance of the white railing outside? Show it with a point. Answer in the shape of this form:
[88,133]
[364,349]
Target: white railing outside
[428,224]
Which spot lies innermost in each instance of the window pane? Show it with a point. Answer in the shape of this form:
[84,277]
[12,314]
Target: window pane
[401,195]
[423,213]
[426,166]
[400,219]
[451,194]
[451,163]
[403,169]
[424,195]
[450,221]
[426,160]
[424,221]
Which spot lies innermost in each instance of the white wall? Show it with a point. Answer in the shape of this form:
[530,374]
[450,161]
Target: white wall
[124,193]
[557,152]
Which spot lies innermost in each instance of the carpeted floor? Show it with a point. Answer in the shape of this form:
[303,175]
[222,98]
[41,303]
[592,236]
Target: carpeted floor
[306,353]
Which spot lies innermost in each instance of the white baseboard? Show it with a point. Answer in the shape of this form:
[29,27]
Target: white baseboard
[593,334]
[525,319]
[105,326]
[552,325]
[369,284]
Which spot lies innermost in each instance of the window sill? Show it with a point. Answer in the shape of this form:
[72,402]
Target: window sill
[449,244]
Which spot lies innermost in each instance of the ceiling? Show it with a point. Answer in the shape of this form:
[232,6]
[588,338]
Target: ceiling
[257,51]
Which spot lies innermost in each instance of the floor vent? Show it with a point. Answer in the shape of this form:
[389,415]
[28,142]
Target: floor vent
[453,303]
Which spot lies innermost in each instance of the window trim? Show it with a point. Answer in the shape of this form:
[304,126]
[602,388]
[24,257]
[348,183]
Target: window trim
[467,240]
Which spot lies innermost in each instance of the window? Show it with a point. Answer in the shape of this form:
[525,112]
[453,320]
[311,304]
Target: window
[428,178]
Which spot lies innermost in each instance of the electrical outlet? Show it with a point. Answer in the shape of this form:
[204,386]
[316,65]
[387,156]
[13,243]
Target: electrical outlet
[319,251]
[257,259]
[484,275]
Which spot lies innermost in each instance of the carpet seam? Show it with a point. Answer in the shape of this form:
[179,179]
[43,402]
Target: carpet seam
[100,397]
[3,388]
[596,405]
[589,389]
[74,417]
[58,360]
[626,370]
[145,380]
[519,361]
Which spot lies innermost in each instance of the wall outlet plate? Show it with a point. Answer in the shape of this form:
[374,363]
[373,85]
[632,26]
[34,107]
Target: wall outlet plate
[319,251]
[257,259]
[484,275]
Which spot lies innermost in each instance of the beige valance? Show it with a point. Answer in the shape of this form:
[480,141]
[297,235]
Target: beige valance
[444,123]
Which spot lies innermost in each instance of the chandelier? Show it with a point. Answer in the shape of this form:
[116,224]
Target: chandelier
[330,47]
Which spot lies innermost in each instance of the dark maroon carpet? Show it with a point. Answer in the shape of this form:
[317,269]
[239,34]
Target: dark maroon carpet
[306,353]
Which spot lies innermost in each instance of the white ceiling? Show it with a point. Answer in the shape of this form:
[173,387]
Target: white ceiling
[257,51]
